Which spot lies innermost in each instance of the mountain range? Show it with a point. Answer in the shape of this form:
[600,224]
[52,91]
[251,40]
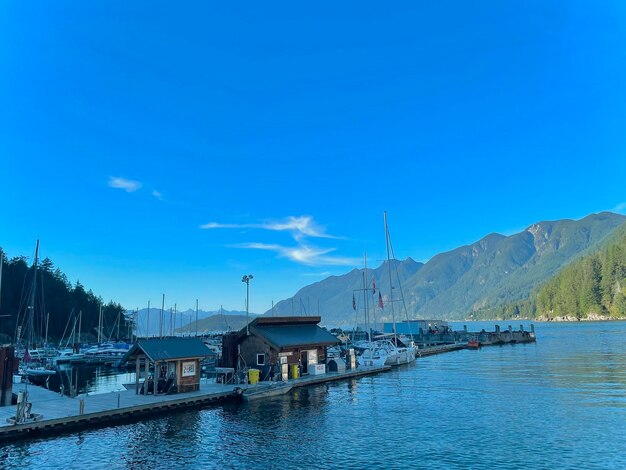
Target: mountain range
[493,271]
[185,321]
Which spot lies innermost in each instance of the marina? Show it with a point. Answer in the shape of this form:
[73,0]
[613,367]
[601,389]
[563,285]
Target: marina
[39,411]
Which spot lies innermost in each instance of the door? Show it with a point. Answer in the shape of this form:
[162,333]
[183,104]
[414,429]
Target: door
[304,362]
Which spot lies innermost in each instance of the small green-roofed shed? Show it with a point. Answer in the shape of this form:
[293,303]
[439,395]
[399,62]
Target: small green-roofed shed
[170,364]
[165,349]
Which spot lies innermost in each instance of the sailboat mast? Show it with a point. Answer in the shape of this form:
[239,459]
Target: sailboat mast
[80,325]
[1,263]
[196,317]
[161,319]
[148,321]
[47,323]
[393,315]
[119,321]
[100,325]
[31,302]
[367,313]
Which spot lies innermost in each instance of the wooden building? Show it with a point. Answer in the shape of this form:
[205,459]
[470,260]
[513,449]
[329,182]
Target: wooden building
[280,347]
[174,362]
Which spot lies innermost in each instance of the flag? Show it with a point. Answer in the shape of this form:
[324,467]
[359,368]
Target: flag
[373,286]
[353,302]
[380,300]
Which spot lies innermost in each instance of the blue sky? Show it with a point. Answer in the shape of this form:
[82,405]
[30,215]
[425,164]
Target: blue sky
[158,148]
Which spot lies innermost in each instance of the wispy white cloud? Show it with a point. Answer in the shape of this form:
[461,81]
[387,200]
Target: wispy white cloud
[303,254]
[298,226]
[157,194]
[620,208]
[123,183]
[317,274]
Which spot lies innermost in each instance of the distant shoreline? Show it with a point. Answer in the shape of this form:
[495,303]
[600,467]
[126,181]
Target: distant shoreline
[568,318]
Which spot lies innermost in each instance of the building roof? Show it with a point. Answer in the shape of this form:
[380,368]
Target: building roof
[167,349]
[285,332]
[266,321]
[285,336]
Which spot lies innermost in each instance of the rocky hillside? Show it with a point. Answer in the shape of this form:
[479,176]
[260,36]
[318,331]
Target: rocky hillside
[494,271]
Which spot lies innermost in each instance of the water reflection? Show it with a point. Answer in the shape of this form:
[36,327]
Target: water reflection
[89,379]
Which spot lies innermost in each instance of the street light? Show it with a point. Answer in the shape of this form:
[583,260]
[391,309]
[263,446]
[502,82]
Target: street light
[246,279]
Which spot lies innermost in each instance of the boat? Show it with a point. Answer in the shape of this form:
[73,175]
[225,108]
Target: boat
[398,352]
[33,367]
[106,353]
[371,353]
[68,356]
[265,391]
[473,344]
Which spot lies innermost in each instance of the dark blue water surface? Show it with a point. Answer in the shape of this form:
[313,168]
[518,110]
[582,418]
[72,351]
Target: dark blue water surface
[559,403]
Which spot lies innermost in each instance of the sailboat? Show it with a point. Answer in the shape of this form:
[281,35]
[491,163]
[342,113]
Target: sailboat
[70,355]
[373,352]
[398,353]
[31,365]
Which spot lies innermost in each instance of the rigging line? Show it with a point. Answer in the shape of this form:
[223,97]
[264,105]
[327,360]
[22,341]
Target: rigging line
[66,325]
[406,311]
[20,309]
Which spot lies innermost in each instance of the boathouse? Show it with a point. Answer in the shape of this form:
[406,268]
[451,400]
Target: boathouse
[173,364]
[279,347]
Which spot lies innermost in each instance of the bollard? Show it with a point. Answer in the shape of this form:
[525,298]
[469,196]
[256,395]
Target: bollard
[81,407]
[118,400]
[497,328]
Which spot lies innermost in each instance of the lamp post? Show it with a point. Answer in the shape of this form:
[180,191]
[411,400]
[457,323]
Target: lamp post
[246,279]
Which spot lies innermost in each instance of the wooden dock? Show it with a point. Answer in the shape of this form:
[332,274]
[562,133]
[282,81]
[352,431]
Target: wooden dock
[444,348]
[63,414]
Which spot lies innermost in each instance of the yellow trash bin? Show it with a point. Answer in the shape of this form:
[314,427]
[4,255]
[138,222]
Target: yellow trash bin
[295,372]
[253,376]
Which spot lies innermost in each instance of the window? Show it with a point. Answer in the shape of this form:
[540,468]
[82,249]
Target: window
[260,359]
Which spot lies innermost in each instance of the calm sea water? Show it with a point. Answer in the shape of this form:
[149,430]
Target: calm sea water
[559,403]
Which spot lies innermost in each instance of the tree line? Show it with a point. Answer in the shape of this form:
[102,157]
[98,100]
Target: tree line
[594,284]
[60,306]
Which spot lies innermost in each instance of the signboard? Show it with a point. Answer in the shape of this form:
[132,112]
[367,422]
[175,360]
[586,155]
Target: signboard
[189,369]
[317,369]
